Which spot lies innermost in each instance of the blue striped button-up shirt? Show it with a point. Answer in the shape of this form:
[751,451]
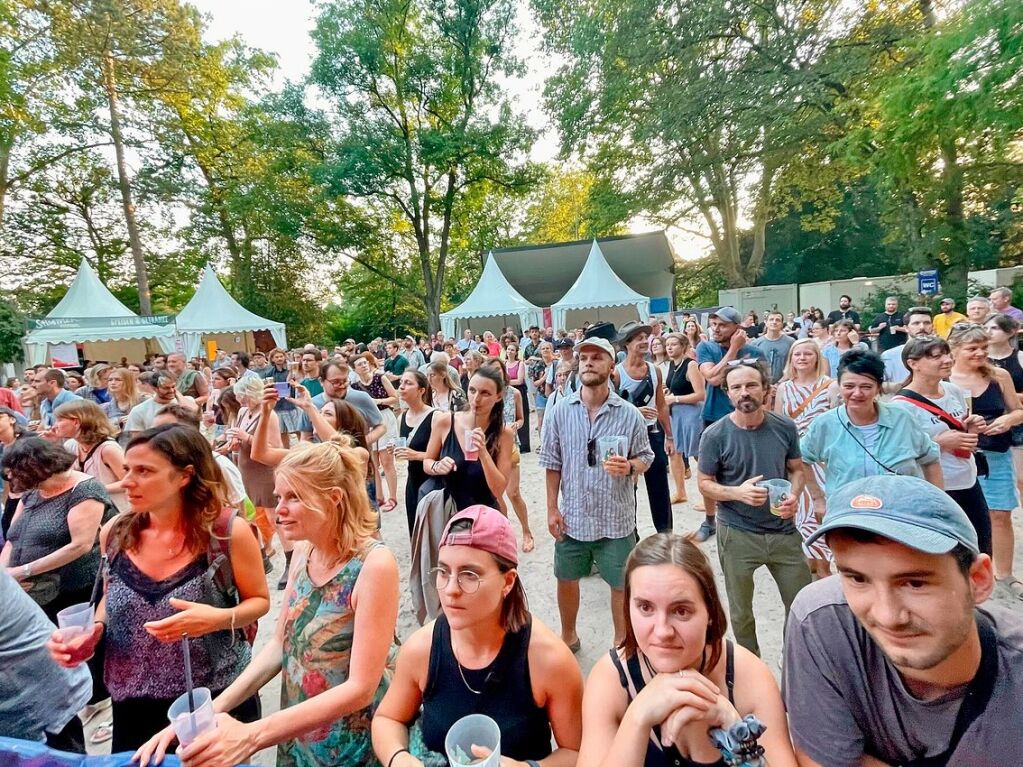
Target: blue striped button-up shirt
[594,504]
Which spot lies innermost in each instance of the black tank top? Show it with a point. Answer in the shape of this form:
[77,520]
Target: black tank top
[505,695]
[467,484]
[657,755]
[418,442]
[1011,366]
[990,405]
[677,381]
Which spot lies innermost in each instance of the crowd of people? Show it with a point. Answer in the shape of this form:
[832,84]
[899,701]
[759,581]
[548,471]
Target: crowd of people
[871,467]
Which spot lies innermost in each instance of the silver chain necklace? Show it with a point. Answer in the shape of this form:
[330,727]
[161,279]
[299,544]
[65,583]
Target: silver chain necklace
[464,681]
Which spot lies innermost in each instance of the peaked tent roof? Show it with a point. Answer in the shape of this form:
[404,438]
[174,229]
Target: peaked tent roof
[493,296]
[598,285]
[89,299]
[213,310]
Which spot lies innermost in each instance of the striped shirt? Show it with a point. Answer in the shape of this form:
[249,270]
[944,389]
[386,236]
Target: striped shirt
[594,504]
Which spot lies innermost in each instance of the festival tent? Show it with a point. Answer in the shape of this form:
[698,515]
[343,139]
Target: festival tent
[214,314]
[599,294]
[90,314]
[493,298]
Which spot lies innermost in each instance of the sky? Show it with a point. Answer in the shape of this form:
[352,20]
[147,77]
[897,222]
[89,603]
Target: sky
[284,28]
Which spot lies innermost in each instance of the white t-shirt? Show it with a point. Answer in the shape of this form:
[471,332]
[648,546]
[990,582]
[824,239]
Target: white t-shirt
[233,477]
[141,416]
[959,473]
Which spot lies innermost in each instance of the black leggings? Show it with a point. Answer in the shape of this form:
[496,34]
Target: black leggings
[136,720]
[656,478]
[974,504]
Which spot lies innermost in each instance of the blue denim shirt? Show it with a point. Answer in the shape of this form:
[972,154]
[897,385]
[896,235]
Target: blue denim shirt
[46,407]
[902,446]
[36,695]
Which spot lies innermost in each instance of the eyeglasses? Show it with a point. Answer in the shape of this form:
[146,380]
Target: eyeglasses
[749,361]
[468,581]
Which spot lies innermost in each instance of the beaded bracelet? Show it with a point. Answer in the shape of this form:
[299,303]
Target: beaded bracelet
[738,744]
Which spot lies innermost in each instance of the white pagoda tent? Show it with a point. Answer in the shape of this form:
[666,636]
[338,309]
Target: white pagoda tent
[89,314]
[599,294]
[494,300]
[212,314]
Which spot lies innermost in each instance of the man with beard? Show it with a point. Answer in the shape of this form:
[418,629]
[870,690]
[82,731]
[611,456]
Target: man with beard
[594,520]
[749,445]
[844,312]
[918,322]
[892,662]
[728,342]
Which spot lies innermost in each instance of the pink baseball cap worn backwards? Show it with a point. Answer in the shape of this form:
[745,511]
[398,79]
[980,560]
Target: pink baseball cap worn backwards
[490,531]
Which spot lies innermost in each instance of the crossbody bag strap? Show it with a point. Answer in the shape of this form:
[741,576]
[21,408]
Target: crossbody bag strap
[908,395]
[822,386]
[978,694]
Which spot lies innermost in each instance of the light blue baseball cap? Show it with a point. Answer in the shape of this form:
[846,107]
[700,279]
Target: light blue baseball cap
[907,510]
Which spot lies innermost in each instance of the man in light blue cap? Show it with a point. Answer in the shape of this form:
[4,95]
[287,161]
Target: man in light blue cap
[891,662]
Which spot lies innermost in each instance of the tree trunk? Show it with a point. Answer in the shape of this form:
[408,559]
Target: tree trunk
[956,243]
[141,275]
[5,159]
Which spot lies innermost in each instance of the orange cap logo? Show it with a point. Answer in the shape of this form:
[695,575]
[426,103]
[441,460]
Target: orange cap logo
[865,502]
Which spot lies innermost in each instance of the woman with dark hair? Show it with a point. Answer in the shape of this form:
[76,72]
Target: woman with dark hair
[684,394]
[474,445]
[485,654]
[843,340]
[942,410]
[418,421]
[378,386]
[652,700]
[993,398]
[445,387]
[161,586]
[863,436]
[1003,352]
[516,370]
[51,544]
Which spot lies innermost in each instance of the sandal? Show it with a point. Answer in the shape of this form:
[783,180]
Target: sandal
[104,731]
[388,505]
[1013,584]
[528,544]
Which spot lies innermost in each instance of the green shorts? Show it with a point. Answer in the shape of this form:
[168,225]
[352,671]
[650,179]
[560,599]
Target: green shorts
[575,559]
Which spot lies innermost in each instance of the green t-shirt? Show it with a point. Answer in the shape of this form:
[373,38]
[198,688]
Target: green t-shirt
[395,365]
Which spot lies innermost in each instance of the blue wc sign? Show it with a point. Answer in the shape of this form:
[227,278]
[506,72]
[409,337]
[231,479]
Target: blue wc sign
[927,282]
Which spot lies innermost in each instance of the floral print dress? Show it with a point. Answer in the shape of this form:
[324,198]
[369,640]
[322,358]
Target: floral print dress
[318,635]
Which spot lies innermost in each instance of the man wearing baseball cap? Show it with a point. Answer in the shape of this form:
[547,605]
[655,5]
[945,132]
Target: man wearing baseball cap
[893,662]
[591,492]
[947,317]
[728,342]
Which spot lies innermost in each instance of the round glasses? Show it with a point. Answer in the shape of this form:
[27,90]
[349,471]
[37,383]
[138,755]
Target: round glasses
[468,581]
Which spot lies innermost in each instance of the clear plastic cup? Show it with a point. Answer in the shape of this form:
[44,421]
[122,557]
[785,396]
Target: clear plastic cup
[777,490]
[471,454]
[75,620]
[609,446]
[189,725]
[469,731]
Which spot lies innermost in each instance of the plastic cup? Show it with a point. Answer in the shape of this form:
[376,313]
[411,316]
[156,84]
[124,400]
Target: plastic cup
[75,620]
[189,725]
[609,446]
[777,490]
[471,453]
[469,731]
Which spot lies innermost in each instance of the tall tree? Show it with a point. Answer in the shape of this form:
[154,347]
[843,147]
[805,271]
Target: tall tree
[420,117]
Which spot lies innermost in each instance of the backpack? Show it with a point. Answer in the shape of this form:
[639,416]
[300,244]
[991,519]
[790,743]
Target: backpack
[220,572]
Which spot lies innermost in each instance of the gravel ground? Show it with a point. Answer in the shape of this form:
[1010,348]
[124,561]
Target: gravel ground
[536,570]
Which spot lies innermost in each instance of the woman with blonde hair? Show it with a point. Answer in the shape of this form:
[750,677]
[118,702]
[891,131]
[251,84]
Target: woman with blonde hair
[89,436]
[446,390]
[685,391]
[96,379]
[124,395]
[805,392]
[994,398]
[334,637]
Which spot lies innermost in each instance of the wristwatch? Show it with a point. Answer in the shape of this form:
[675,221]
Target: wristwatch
[26,571]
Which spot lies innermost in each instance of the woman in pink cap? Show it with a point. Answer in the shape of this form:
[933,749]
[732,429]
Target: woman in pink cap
[484,655]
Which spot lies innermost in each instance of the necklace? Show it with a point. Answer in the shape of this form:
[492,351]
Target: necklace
[464,681]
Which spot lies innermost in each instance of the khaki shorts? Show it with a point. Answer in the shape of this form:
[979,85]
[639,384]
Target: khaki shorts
[574,559]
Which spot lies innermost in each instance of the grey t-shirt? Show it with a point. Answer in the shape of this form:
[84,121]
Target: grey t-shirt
[846,700]
[732,455]
[776,352]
